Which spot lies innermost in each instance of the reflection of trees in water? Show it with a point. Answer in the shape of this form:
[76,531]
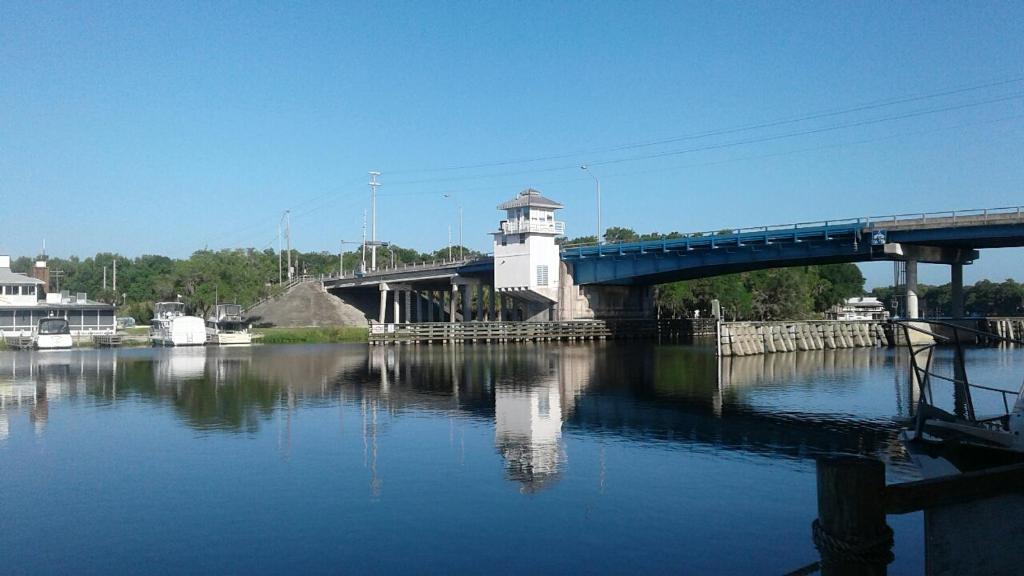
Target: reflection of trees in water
[532,392]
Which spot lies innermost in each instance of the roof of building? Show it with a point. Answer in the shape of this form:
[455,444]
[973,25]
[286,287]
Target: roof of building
[529,197]
[8,277]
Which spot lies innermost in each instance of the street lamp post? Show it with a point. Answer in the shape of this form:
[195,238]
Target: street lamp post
[598,183]
[461,243]
[341,255]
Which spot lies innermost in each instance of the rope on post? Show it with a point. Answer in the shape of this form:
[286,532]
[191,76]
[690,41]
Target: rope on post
[854,550]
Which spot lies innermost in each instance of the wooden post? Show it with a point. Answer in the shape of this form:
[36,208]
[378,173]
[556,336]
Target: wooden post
[850,533]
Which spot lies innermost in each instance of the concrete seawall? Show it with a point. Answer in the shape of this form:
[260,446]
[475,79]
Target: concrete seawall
[750,338]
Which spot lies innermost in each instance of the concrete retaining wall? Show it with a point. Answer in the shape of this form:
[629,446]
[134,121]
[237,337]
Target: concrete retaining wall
[749,338]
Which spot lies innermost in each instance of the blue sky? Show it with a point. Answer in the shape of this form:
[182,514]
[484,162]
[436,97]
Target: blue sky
[169,127]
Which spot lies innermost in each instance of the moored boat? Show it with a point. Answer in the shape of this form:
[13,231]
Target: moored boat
[172,327]
[225,326]
[52,333]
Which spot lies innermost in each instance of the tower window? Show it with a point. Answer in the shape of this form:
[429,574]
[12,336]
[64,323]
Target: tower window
[542,275]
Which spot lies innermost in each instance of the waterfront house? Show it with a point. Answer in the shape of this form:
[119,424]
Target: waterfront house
[24,300]
[859,308]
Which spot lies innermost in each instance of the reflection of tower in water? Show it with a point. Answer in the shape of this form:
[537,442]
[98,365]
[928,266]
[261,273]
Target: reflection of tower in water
[528,416]
[528,433]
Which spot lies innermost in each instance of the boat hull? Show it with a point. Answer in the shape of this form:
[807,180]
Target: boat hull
[228,338]
[180,331]
[54,341]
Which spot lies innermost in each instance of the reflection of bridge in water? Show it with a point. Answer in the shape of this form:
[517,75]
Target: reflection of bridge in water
[532,393]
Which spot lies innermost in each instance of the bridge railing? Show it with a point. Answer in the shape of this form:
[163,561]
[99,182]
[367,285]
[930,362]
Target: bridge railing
[410,267]
[802,230]
[953,217]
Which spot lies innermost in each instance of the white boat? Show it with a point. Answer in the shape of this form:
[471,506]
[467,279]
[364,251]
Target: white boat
[225,326]
[53,333]
[171,327]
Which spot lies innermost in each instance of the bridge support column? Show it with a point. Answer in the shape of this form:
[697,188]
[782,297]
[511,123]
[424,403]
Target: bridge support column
[452,302]
[383,302]
[408,306]
[396,299]
[479,302]
[956,285]
[467,304]
[418,296]
[492,311]
[911,281]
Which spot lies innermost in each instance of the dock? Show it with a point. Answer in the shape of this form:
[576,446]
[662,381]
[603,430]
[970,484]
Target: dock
[107,340]
[20,342]
[468,332]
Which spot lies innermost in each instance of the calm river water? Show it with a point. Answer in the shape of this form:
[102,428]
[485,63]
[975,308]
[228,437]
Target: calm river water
[585,458]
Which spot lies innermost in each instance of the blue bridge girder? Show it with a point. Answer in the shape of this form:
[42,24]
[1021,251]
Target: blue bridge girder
[726,252]
[707,254]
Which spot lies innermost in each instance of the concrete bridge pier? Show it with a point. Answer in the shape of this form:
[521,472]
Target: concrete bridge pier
[467,304]
[956,285]
[452,299]
[480,310]
[383,302]
[911,288]
[912,254]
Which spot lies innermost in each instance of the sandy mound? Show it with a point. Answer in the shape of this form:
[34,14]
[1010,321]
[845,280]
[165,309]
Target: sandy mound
[307,305]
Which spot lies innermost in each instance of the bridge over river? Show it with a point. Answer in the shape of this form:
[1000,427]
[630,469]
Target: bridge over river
[613,280]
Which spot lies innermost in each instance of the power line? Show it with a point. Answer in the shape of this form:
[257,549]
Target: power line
[834,127]
[723,131]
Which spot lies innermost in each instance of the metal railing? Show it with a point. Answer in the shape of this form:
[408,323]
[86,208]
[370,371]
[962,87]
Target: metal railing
[408,266]
[1012,214]
[526,226]
[921,357]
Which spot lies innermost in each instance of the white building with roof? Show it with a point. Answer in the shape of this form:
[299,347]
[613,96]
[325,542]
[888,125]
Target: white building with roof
[24,301]
[859,308]
[526,257]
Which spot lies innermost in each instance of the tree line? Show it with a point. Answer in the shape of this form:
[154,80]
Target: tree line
[244,276]
[241,276]
[984,298]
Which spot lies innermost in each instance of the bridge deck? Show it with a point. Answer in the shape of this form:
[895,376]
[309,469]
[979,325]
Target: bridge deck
[712,253]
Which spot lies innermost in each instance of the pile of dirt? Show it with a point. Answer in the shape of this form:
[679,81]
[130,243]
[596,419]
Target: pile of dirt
[307,305]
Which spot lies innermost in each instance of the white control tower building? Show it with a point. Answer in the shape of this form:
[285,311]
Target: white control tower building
[526,258]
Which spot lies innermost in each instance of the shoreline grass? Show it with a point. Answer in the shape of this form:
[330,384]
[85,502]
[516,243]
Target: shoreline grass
[312,335]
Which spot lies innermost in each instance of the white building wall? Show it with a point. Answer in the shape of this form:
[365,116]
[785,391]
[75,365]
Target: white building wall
[511,264]
[516,263]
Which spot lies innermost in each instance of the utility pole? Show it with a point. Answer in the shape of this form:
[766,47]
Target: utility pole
[115,275]
[279,253]
[461,244]
[450,243]
[104,278]
[373,207]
